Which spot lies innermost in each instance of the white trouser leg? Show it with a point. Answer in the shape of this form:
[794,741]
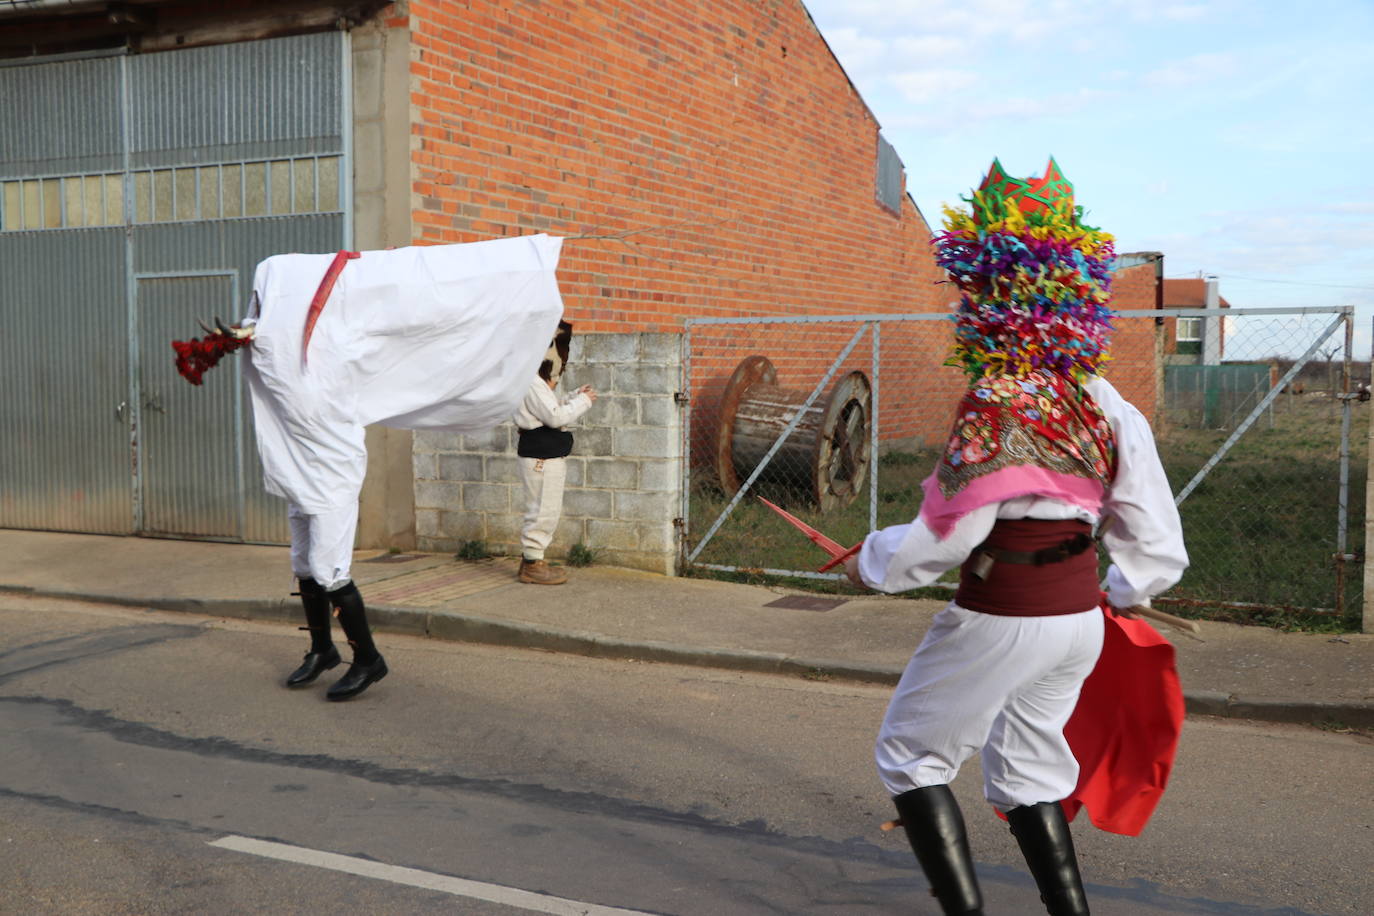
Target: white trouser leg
[322,544]
[1027,760]
[1008,683]
[300,541]
[543,479]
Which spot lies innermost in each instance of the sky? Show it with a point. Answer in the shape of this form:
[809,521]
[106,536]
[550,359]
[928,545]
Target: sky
[1235,136]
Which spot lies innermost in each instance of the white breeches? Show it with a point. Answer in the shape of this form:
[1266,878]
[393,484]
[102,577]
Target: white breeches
[1006,685]
[322,545]
[543,479]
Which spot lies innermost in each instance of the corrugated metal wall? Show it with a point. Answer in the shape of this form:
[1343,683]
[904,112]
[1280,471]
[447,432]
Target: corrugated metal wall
[64,368]
[139,198]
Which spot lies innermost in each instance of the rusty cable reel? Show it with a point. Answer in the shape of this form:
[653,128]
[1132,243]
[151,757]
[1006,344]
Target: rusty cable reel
[826,456]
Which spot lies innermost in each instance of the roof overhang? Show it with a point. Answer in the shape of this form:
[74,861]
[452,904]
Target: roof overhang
[29,28]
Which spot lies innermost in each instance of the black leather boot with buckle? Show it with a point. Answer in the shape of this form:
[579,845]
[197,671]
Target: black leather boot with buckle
[368,665]
[322,655]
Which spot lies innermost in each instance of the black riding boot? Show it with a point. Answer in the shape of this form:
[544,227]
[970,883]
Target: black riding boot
[935,828]
[1042,831]
[368,665]
[322,655]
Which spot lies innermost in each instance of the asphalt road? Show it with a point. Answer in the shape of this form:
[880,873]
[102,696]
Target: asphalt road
[151,763]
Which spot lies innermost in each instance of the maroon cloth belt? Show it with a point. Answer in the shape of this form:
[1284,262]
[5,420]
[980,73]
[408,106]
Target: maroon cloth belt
[1020,589]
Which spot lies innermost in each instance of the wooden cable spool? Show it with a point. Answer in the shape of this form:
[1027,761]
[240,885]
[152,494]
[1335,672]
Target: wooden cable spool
[826,456]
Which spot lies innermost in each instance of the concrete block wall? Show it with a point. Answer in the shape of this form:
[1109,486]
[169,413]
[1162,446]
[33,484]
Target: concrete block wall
[624,475]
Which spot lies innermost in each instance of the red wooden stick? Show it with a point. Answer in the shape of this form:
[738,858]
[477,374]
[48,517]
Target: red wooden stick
[837,553]
[823,542]
[842,557]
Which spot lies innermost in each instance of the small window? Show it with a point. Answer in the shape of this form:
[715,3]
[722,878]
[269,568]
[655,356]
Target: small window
[308,184]
[1189,336]
[889,191]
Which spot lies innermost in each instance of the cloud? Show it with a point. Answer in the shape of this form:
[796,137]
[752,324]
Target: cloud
[1319,244]
[1015,18]
[856,52]
[944,113]
[1168,12]
[1190,71]
[929,47]
[919,86]
[1182,12]
[1352,206]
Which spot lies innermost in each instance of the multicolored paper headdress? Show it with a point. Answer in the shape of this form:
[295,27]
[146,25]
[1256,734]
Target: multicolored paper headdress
[1035,279]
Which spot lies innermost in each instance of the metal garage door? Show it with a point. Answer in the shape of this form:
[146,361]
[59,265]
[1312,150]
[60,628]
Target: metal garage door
[136,195]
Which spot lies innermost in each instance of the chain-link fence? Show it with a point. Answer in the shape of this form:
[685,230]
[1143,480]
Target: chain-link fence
[838,420]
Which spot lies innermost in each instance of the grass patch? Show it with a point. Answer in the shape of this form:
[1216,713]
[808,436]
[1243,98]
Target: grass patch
[582,555]
[755,536]
[473,550]
[1337,727]
[1260,530]
[1262,527]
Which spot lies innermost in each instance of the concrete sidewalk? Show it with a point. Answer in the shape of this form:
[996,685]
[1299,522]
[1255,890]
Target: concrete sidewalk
[1245,672]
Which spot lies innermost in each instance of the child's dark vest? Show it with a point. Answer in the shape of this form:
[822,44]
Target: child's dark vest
[544,442]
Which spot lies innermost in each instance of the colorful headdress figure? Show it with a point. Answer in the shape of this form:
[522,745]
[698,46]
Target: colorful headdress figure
[1035,279]
[556,359]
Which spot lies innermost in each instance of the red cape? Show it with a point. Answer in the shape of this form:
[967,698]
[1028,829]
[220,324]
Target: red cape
[1125,729]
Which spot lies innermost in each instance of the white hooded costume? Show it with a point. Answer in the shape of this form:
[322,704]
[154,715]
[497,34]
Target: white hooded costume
[438,337]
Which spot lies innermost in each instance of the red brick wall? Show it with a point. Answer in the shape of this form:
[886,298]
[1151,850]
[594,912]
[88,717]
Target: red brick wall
[724,145]
[721,137]
[1135,367]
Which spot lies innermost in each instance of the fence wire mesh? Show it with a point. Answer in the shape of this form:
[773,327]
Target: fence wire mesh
[838,420]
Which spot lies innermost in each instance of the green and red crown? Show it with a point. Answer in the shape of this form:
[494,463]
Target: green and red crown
[1032,195]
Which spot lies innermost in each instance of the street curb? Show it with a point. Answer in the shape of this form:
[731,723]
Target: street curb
[452,627]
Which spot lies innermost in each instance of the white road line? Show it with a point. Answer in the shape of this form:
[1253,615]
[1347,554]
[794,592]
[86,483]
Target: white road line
[461,887]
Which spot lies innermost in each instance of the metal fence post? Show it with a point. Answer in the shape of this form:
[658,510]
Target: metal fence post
[1367,616]
[873,437]
[1343,495]
[685,404]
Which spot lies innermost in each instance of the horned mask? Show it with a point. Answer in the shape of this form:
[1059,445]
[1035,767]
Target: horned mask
[556,360]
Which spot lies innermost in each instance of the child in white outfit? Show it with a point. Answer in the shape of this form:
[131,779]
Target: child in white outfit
[543,446]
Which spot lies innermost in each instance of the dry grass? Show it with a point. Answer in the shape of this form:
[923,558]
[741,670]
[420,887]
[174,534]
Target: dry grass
[1260,529]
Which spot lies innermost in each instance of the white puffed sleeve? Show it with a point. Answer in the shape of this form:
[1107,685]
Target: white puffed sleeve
[1142,531]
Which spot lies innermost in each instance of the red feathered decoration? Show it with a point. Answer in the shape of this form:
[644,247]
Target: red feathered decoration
[194,356]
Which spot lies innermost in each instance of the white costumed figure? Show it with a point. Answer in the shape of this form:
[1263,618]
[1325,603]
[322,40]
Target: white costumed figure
[434,337]
[1069,700]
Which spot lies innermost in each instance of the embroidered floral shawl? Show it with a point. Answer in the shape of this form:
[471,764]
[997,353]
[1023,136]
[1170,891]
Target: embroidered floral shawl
[1036,435]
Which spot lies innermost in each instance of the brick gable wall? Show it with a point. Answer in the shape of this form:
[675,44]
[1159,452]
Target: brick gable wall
[722,139]
[701,160]
[1135,367]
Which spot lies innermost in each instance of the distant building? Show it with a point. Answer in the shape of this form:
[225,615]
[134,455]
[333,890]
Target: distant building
[1183,338]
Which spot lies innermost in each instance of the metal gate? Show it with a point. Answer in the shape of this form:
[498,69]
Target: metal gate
[137,195]
[1269,474]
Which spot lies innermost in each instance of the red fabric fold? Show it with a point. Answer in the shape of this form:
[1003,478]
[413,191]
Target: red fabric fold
[1124,731]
